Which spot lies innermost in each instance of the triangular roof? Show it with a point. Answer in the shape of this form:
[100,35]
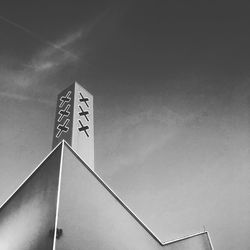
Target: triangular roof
[64,193]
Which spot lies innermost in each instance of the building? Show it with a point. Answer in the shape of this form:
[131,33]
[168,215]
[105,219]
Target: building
[65,193]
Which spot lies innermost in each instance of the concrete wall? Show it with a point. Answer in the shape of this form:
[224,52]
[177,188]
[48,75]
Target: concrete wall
[28,216]
[90,214]
[92,217]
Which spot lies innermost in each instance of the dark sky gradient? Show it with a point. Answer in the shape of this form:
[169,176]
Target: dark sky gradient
[171,83]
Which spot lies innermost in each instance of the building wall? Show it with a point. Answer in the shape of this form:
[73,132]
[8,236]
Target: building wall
[92,217]
[27,219]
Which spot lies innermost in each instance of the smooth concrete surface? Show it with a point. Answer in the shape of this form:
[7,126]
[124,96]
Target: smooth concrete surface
[74,121]
[64,116]
[93,217]
[27,219]
[87,211]
[83,140]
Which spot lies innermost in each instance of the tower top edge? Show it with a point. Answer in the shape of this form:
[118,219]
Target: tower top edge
[74,85]
[81,86]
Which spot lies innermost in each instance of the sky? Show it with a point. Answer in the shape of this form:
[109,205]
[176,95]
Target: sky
[171,87]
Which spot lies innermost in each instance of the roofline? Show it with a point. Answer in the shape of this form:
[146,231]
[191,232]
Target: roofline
[75,82]
[129,210]
[58,195]
[30,175]
[62,143]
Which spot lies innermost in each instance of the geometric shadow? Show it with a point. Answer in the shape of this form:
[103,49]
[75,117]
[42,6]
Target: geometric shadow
[27,218]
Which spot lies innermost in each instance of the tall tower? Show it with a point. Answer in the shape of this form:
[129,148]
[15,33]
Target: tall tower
[74,122]
[63,204]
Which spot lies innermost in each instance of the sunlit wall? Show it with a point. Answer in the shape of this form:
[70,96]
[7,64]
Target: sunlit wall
[91,217]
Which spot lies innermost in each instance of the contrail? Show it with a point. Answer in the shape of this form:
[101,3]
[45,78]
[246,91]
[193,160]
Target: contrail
[36,36]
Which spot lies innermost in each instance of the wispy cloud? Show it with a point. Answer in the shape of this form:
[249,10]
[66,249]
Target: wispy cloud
[36,35]
[51,57]
[17,78]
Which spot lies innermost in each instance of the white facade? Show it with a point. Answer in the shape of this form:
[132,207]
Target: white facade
[74,122]
[64,193]
[66,196]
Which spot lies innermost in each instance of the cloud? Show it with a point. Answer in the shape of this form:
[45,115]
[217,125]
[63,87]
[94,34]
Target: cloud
[19,78]
[69,39]
[62,52]
[14,78]
[21,81]
[57,55]
[51,46]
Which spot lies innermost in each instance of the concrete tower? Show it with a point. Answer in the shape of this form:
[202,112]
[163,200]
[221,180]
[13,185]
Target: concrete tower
[63,204]
[74,122]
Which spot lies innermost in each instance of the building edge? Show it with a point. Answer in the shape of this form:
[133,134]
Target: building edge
[102,182]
